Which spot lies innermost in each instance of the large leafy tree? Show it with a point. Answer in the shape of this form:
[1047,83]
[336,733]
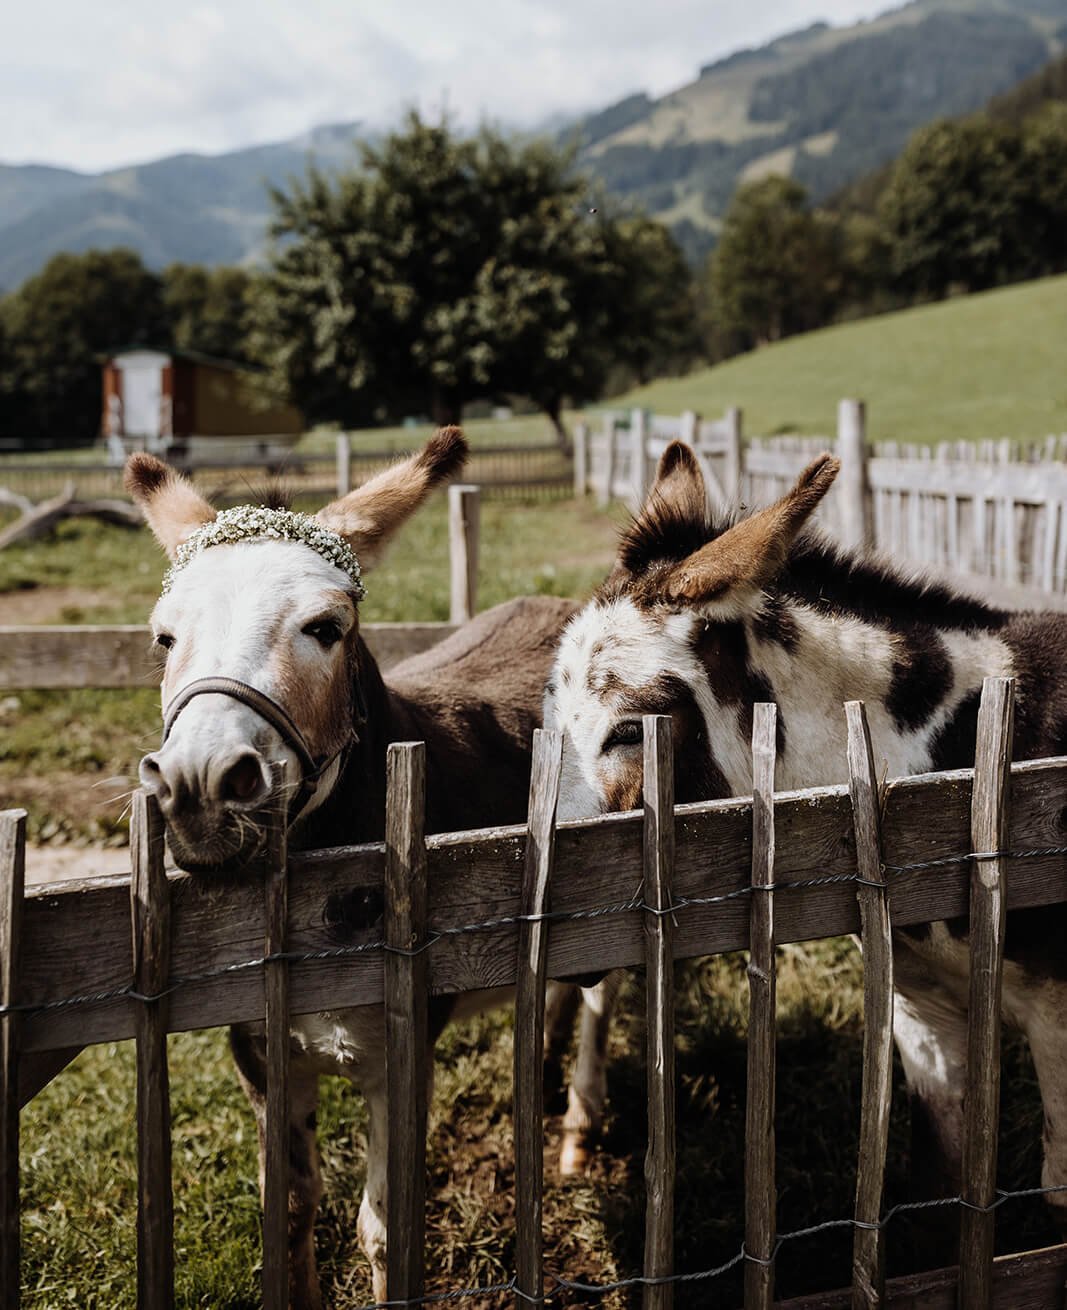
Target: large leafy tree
[56,328]
[448,269]
[953,211]
[208,309]
[778,267]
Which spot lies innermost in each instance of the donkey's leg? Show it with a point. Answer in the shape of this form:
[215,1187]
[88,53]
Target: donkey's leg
[930,1028]
[561,1006]
[305,1176]
[589,1085]
[1046,1031]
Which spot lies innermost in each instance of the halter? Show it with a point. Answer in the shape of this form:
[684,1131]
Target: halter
[271,712]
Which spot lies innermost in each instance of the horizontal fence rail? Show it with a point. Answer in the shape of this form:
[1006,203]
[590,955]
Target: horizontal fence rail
[488,909]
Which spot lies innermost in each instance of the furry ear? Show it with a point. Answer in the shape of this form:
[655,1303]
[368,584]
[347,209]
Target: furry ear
[368,516]
[674,519]
[170,502]
[751,553]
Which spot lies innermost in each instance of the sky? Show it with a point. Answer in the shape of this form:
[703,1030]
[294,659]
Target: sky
[95,86]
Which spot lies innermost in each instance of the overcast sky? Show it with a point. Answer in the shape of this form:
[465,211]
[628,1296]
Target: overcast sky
[94,86]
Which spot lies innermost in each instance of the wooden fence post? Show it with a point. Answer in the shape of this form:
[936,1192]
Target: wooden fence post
[276,995]
[659,984]
[150,923]
[760,1192]
[868,1247]
[530,1016]
[989,832]
[12,886]
[581,459]
[689,428]
[852,480]
[734,459]
[344,464]
[638,458]
[407,983]
[463,520]
[603,488]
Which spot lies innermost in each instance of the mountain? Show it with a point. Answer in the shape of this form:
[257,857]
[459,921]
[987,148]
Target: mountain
[210,209]
[823,104]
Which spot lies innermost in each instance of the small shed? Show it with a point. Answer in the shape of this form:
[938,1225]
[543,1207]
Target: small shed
[184,404]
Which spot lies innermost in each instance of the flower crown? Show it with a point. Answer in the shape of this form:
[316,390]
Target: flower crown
[258,523]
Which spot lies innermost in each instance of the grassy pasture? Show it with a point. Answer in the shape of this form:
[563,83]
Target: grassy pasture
[989,365]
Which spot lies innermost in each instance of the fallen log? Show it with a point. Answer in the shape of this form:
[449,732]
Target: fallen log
[39,520]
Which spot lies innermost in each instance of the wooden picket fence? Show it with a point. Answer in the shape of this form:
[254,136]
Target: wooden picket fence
[514,906]
[988,512]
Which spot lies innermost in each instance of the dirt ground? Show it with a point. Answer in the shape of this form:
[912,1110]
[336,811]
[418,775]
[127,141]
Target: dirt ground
[51,863]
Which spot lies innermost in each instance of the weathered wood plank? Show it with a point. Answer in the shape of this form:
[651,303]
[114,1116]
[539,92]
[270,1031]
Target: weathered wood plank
[530,976]
[475,877]
[407,990]
[760,1187]
[989,833]
[150,922]
[58,657]
[464,515]
[868,1252]
[277,1015]
[1031,1280]
[12,885]
[659,993]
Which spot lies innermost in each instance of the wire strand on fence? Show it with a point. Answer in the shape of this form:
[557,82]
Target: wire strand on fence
[563,1284]
[634,903]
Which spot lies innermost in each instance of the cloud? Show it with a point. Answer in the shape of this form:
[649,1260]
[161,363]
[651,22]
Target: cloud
[99,86]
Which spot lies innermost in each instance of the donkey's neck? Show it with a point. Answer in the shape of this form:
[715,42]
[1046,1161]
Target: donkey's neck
[919,680]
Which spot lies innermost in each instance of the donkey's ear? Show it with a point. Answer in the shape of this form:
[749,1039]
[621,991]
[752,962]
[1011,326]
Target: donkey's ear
[673,520]
[368,516]
[727,571]
[171,504]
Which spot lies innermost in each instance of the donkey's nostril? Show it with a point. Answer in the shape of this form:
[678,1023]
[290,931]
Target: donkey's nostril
[243,780]
[151,776]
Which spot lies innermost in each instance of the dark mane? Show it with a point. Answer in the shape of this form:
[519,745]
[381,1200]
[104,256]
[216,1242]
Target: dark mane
[821,574]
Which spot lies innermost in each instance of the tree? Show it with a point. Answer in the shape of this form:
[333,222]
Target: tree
[208,309]
[58,326]
[953,212]
[451,269]
[778,267]
[1044,173]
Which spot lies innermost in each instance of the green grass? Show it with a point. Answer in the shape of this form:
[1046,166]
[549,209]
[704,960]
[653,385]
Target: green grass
[79,1176]
[989,365]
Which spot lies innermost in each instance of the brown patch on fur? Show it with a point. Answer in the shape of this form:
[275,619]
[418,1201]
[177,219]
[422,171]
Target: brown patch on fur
[751,553]
[170,503]
[323,713]
[368,516]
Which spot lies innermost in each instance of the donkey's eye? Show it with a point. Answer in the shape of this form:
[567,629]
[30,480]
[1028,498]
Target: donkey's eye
[628,733]
[164,640]
[327,632]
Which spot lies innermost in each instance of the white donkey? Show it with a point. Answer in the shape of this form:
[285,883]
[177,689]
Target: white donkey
[259,627]
[701,620]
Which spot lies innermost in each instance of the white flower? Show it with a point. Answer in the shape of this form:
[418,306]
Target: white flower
[253,523]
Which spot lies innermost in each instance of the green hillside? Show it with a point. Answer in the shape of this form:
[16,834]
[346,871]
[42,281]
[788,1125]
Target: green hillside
[988,365]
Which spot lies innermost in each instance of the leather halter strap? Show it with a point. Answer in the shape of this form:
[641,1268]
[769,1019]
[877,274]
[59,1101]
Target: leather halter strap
[271,712]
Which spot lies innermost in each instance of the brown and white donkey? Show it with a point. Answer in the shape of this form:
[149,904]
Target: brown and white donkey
[260,624]
[700,621]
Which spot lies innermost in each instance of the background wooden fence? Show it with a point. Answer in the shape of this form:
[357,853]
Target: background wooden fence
[502,471]
[986,512]
[512,906]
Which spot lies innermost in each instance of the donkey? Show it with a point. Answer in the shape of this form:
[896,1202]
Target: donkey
[700,620]
[264,662]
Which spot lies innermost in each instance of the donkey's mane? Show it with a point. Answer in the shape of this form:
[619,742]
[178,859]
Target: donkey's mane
[818,573]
